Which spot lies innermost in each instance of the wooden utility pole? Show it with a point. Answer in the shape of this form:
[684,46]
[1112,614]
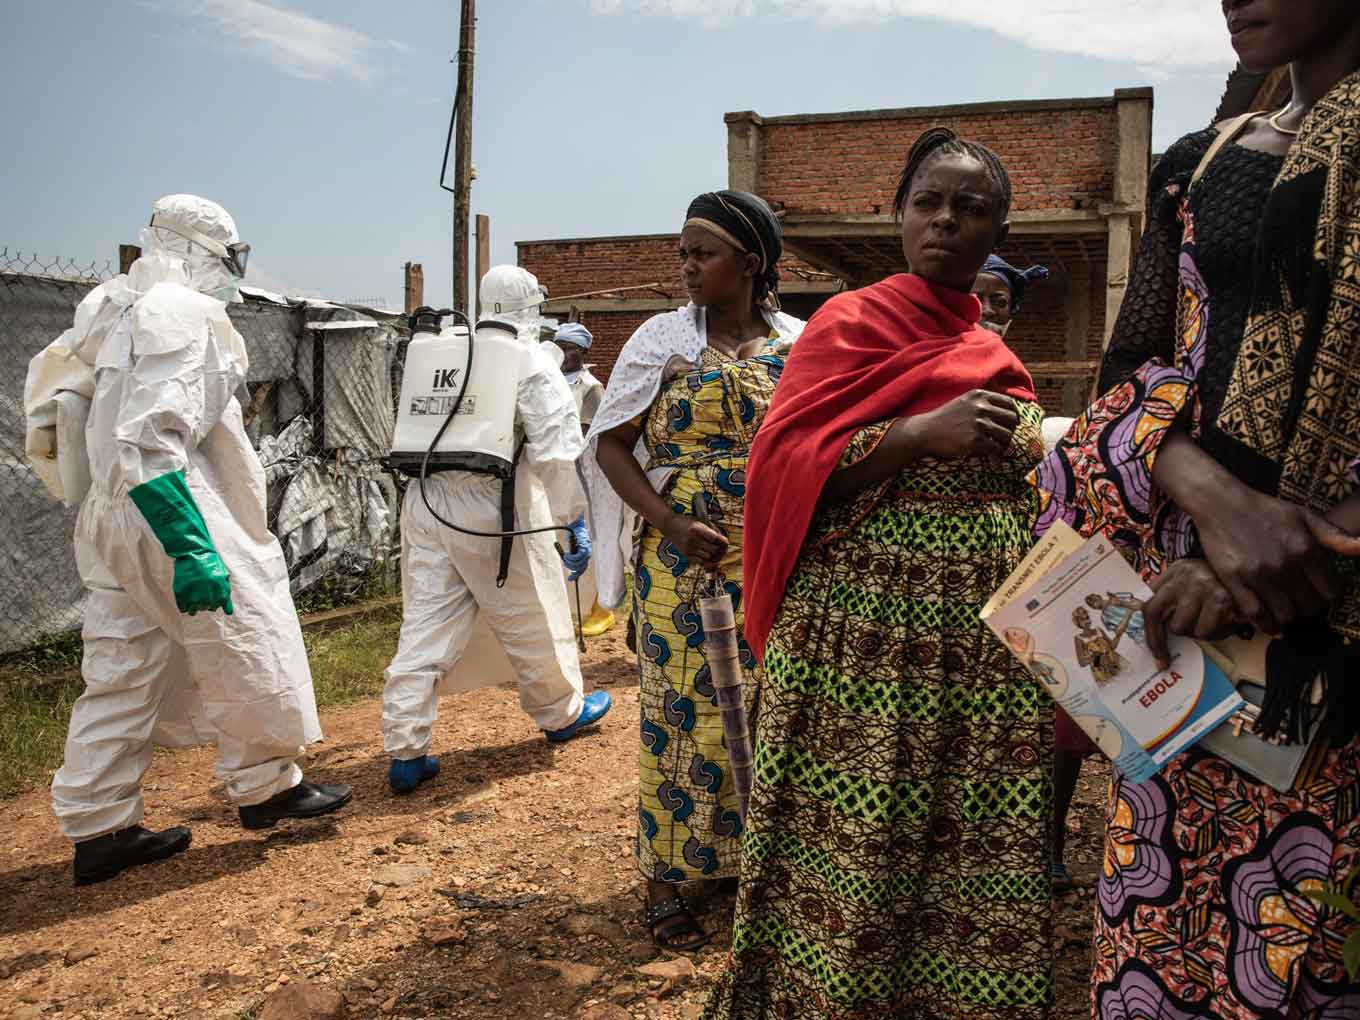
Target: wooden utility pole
[462,179]
[415,286]
[483,256]
[127,254]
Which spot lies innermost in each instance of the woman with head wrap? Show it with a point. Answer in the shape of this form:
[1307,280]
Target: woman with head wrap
[1222,457]
[1000,287]
[693,385]
[895,864]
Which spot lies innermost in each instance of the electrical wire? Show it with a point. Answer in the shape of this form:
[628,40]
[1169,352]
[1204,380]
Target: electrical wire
[448,144]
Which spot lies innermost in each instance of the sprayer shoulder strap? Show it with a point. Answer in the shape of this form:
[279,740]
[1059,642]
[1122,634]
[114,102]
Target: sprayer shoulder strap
[508,517]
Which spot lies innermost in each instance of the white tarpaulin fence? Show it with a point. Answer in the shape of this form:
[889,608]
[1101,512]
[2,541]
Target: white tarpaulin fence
[319,407]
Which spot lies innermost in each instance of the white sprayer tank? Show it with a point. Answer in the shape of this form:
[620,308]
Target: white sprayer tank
[481,436]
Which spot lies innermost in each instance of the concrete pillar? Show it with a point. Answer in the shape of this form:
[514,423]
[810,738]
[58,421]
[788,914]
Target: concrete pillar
[744,151]
[1118,265]
[1133,148]
[1124,215]
[1078,331]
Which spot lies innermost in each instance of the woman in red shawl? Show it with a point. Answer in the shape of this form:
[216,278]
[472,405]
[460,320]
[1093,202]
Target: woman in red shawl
[895,863]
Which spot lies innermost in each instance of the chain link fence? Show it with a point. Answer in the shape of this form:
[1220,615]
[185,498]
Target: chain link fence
[318,402]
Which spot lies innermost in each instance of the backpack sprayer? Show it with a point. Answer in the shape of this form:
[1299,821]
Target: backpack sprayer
[457,413]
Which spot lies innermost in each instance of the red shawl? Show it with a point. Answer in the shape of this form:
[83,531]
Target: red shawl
[895,349]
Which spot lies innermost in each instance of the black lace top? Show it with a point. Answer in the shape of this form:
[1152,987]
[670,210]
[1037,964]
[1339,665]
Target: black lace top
[1227,204]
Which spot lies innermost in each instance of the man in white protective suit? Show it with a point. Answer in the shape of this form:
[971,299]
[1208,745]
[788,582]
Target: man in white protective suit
[574,340]
[449,577]
[190,632]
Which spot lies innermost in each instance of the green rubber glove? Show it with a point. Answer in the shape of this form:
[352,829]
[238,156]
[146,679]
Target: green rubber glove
[201,578]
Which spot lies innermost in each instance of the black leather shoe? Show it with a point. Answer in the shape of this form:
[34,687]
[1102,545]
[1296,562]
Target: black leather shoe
[306,800]
[101,858]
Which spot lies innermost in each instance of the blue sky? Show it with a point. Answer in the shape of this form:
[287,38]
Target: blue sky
[320,124]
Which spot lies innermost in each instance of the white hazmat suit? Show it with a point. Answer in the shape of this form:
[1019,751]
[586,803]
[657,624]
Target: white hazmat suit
[449,577]
[166,365]
[588,392]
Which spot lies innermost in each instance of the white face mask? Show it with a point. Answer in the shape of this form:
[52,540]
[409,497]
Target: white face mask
[995,327]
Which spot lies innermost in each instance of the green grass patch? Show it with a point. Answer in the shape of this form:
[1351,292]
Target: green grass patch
[348,664]
[34,707]
[39,686]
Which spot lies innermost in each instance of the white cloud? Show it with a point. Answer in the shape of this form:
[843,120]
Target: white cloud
[1150,33]
[295,43]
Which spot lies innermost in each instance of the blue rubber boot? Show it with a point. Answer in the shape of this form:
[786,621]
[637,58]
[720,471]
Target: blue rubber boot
[405,776]
[597,706]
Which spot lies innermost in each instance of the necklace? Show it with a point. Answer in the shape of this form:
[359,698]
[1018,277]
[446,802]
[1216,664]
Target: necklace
[1274,121]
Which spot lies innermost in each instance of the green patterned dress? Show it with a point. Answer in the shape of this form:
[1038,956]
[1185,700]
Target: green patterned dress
[896,858]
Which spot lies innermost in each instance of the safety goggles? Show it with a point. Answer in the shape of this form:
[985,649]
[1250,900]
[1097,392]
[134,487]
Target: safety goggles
[234,256]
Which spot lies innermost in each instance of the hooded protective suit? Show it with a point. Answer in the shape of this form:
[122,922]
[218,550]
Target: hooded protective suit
[163,363]
[448,577]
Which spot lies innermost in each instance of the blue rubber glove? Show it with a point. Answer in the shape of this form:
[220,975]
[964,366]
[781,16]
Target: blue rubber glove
[578,561]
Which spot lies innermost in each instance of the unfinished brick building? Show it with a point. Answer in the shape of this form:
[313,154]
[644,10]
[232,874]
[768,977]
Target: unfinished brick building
[1079,169]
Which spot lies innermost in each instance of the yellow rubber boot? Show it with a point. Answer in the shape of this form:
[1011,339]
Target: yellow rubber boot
[599,621]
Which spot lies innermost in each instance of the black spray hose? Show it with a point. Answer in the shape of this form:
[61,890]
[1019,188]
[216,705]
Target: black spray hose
[425,463]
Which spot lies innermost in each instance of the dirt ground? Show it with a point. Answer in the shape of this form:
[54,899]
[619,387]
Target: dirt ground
[503,890]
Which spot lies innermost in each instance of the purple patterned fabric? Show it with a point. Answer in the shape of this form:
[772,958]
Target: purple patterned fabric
[1138,994]
[1099,477]
[1321,1000]
[1140,865]
[1271,912]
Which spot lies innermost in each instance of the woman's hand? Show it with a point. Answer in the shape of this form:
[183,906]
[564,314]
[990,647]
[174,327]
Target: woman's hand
[694,539]
[1269,554]
[1272,557]
[1189,599]
[676,366]
[977,424]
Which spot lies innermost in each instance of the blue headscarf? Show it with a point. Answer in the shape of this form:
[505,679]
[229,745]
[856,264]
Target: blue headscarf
[574,333]
[1016,279]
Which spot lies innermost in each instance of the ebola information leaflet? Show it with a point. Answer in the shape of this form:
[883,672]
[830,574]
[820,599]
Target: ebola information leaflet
[1072,613]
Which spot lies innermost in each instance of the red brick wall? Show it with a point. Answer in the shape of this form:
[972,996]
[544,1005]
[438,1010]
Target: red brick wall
[611,331]
[566,267]
[1040,330]
[1056,158]
[591,264]
[583,265]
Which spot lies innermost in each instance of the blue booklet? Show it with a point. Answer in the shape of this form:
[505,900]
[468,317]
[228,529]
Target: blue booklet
[1072,614]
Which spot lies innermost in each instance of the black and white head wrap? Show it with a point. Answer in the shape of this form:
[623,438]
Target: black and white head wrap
[746,222]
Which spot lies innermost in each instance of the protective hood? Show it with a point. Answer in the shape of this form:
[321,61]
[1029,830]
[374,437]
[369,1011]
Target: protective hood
[513,295]
[202,236]
[553,352]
